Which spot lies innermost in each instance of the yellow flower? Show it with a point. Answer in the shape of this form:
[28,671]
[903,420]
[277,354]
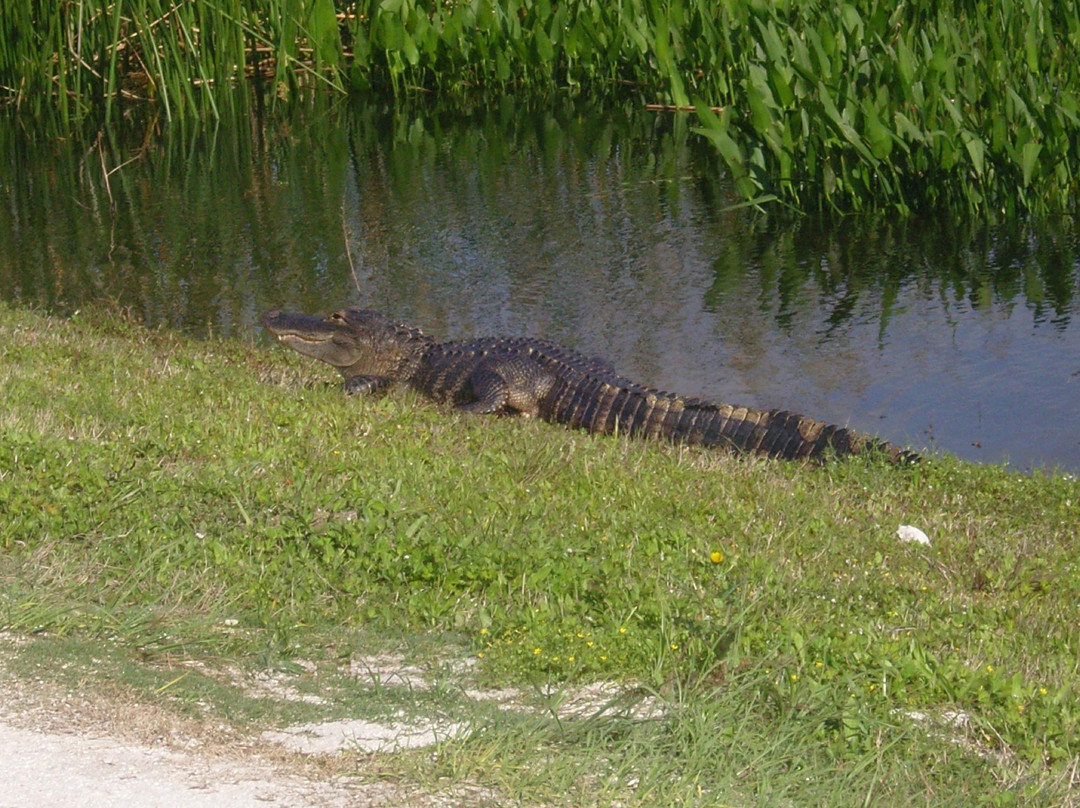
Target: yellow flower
[794,677]
[674,646]
[483,632]
[622,629]
[989,668]
[1042,691]
[716,556]
[536,651]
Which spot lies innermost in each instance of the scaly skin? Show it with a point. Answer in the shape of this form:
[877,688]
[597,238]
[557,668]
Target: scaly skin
[534,377]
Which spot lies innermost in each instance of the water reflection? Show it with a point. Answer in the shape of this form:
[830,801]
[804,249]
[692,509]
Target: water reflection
[610,230]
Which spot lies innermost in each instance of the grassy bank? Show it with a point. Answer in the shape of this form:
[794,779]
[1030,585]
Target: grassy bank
[847,106]
[216,501]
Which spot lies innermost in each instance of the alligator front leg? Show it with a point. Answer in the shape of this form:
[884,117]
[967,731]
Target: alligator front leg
[513,385]
[366,385]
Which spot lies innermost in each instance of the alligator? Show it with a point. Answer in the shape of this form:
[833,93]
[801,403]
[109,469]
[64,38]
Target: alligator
[536,378]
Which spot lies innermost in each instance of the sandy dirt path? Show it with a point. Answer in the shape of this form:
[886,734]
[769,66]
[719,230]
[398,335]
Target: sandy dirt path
[65,750]
[52,770]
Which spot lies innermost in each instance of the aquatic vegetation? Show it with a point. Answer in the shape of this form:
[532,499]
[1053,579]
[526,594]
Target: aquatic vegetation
[849,106]
[874,105]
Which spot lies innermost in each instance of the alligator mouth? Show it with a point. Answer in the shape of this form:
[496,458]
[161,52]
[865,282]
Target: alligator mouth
[292,338]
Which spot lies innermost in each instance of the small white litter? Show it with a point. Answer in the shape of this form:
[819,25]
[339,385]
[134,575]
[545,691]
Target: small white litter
[908,533]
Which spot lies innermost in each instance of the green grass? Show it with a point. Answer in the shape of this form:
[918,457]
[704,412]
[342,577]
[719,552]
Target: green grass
[219,501]
[866,105]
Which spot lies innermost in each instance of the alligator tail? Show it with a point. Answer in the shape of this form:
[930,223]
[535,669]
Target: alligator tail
[643,412]
[776,433]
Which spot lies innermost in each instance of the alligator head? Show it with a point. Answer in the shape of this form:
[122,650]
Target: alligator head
[358,342]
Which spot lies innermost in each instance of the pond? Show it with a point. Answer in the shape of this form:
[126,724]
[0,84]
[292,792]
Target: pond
[610,230]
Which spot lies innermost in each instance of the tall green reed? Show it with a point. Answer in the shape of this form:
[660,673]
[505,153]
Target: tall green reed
[89,58]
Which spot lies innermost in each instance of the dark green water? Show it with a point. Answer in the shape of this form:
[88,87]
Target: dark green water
[610,231]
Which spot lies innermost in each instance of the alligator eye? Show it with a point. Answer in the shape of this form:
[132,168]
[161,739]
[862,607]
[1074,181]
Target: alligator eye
[336,317]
